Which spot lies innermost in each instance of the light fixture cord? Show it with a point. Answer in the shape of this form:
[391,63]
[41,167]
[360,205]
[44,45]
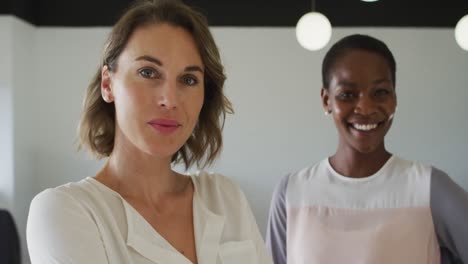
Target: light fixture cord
[313,5]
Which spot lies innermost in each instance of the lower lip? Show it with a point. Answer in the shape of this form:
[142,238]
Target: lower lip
[164,129]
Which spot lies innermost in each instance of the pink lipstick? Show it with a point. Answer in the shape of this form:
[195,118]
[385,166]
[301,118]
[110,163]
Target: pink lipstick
[164,126]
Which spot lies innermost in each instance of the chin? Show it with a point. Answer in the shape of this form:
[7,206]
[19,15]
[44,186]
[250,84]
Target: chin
[365,149]
[159,151]
[161,154]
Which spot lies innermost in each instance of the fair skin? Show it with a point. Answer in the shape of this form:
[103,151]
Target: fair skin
[361,99]
[158,92]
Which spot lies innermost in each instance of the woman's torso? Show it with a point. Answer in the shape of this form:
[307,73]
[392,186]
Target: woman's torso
[384,218]
[225,230]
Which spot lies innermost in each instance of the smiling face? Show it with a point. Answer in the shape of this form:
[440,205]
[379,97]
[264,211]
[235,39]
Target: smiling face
[157,89]
[362,100]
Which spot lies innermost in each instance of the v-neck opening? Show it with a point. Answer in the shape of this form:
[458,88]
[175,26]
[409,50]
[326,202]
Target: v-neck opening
[207,225]
[130,223]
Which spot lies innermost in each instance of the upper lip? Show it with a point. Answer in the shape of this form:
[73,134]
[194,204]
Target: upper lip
[363,121]
[164,122]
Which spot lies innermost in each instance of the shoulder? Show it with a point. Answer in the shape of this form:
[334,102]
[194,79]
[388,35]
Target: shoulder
[56,203]
[445,189]
[280,190]
[73,193]
[278,200]
[52,210]
[401,166]
[61,195]
[440,179]
[313,172]
[85,198]
[215,183]
[62,226]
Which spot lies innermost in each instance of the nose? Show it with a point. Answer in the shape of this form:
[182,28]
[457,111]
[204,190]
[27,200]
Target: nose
[168,96]
[365,106]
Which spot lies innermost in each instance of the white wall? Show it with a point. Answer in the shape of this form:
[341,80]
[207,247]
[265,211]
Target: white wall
[6,113]
[24,109]
[16,77]
[280,127]
[66,60]
[274,84]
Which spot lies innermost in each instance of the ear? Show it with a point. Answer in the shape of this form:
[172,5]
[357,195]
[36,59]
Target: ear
[325,100]
[106,85]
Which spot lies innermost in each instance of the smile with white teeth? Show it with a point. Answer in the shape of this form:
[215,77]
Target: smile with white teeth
[364,127]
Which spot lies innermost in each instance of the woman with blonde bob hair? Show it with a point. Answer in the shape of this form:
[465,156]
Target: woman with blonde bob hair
[156,100]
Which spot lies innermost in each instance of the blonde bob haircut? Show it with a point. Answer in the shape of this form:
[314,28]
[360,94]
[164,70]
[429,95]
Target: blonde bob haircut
[97,125]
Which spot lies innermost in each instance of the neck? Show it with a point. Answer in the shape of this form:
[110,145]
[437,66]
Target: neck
[351,163]
[137,175]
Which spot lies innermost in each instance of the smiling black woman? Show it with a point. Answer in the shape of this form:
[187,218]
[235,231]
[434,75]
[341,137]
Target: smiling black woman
[364,204]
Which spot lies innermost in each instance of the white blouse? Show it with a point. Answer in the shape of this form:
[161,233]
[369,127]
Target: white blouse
[86,222]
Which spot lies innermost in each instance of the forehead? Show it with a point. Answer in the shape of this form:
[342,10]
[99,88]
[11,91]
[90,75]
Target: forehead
[360,64]
[164,41]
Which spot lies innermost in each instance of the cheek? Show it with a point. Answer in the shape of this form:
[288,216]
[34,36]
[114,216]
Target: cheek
[337,110]
[131,100]
[341,109]
[339,116]
[126,102]
[390,107]
[195,102]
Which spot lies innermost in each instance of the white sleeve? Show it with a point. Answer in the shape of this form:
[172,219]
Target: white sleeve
[61,231]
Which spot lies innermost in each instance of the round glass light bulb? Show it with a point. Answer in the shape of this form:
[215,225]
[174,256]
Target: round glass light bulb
[369,0]
[461,32]
[313,31]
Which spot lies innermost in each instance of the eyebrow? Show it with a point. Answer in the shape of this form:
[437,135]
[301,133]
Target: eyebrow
[159,63]
[150,59]
[354,85]
[379,81]
[347,84]
[194,68]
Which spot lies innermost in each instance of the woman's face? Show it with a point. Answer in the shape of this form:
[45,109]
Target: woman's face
[157,89]
[362,100]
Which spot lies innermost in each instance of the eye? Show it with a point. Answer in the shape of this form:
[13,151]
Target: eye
[345,95]
[189,80]
[147,73]
[381,92]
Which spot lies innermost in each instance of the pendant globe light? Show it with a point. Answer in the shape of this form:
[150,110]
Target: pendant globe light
[461,32]
[313,30]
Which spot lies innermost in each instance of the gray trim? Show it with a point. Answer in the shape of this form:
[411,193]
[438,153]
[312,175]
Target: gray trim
[277,220]
[449,206]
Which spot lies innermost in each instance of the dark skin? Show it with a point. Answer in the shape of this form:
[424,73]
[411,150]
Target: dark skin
[362,100]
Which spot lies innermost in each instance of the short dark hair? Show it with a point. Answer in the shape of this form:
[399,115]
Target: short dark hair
[97,125]
[355,42]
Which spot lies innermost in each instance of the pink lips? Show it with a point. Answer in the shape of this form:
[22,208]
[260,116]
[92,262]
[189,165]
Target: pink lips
[164,126]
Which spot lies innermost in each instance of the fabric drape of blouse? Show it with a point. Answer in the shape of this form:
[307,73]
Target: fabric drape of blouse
[86,222]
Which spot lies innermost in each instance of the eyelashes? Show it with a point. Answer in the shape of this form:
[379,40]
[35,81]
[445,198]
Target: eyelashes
[351,95]
[347,95]
[189,80]
[148,73]
[185,79]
